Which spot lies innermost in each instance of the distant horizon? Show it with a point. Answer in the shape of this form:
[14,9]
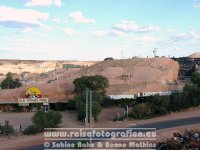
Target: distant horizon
[73,30]
[86,59]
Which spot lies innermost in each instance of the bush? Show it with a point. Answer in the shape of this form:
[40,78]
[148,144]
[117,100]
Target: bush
[108,58]
[108,102]
[5,130]
[32,129]
[160,105]
[142,111]
[50,119]
[54,118]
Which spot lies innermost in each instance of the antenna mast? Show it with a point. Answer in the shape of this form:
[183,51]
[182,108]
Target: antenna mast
[155,52]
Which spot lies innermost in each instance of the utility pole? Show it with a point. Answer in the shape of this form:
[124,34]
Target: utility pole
[90,123]
[155,52]
[88,95]
[86,108]
[126,111]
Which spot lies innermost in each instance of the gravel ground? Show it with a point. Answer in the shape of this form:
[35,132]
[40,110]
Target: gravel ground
[17,119]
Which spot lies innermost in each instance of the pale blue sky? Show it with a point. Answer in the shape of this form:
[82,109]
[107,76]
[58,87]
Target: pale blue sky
[95,29]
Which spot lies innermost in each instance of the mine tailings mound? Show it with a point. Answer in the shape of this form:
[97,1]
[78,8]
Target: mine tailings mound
[127,76]
[195,55]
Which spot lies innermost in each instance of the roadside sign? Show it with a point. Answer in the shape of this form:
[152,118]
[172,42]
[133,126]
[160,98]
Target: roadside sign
[33,100]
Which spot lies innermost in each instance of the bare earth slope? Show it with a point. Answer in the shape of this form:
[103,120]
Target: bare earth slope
[195,55]
[36,66]
[137,75]
[125,76]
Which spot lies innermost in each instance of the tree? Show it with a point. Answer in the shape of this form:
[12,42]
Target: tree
[50,119]
[96,110]
[80,100]
[95,83]
[9,83]
[98,85]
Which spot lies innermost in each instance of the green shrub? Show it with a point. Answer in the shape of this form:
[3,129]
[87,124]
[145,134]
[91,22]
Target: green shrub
[108,102]
[142,111]
[50,119]
[5,130]
[54,118]
[32,129]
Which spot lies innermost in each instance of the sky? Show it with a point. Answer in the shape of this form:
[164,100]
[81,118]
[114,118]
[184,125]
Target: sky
[96,29]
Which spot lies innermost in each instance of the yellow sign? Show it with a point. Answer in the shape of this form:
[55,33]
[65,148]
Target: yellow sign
[33,92]
[33,95]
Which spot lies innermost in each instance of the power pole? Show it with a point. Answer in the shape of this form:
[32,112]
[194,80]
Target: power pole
[155,52]
[86,108]
[90,123]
